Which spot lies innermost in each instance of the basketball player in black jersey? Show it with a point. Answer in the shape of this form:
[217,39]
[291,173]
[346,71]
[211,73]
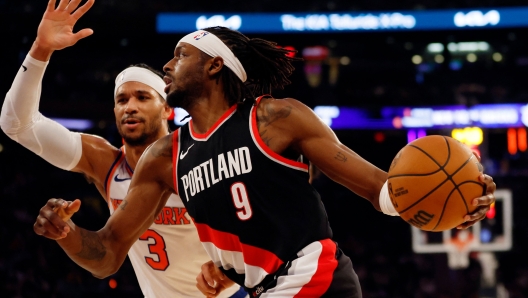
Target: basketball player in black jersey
[234,166]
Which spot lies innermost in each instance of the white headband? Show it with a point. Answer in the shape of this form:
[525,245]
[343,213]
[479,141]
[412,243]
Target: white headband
[141,75]
[214,47]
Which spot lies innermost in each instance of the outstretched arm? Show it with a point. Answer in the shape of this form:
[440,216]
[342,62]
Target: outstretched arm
[102,252]
[20,118]
[287,123]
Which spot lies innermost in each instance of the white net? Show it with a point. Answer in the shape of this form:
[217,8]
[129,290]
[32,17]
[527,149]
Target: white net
[458,249]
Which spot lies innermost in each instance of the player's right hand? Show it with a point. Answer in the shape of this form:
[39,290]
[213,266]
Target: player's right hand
[52,220]
[55,31]
[211,281]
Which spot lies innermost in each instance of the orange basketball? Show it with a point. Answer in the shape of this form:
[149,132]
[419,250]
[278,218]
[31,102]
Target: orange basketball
[432,182]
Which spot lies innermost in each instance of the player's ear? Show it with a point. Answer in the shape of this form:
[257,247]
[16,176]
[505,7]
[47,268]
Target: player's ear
[217,63]
[167,111]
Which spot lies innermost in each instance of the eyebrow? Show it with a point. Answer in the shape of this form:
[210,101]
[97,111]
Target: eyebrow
[180,47]
[140,91]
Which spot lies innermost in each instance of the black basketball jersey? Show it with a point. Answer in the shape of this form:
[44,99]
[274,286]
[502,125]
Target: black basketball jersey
[253,209]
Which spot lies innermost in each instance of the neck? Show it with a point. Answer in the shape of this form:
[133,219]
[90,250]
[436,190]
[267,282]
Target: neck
[206,110]
[134,152]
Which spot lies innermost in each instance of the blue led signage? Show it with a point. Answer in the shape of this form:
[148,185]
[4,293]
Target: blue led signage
[484,116]
[346,21]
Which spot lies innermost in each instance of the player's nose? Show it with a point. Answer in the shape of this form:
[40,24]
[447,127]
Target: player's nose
[168,66]
[132,105]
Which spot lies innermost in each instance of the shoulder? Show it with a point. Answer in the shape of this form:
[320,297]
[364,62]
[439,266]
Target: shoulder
[284,105]
[286,110]
[156,162]
[99,149]
[160,148]
[97,143]
[98,155]
[278,103]
[289,118]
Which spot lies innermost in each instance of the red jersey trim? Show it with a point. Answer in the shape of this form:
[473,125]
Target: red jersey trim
[219,122]
[253,255]
[128,168]
[175,156]
[111,172]
[253,127]
[323,276]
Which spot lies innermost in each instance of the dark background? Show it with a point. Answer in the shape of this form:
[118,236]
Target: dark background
[79,83]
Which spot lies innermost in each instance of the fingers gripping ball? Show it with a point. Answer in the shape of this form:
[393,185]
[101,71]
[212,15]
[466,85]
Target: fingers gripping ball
[432,182]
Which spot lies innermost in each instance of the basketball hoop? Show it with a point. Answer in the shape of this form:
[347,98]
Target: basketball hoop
[458,249]
[479,239]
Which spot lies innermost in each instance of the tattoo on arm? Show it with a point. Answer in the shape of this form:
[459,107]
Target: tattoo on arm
[340,157]
[123,205]
[265,138]
[268,116]
[92,247]
[163,147]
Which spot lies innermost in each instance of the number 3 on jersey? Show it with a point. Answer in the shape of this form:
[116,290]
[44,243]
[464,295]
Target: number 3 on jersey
[241,200]
[156,248]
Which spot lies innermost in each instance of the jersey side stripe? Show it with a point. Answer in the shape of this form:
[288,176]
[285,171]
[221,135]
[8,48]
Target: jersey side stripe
[252,255]
[175,156]
[322,278]
[310,275]
[266,150]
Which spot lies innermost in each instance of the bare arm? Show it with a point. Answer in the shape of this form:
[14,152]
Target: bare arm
[287,123]
[96,159]
[103,252]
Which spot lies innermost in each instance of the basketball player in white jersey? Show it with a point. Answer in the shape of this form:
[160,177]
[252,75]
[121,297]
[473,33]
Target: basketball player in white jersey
[168,256]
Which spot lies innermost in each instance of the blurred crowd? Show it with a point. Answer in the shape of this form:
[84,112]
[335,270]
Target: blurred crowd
[367,68]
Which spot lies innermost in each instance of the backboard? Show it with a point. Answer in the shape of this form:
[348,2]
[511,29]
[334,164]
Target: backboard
[494,233]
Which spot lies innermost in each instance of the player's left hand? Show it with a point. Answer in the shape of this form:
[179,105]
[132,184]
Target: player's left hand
[483,202]
[53,217]
[211,281]
[55,30]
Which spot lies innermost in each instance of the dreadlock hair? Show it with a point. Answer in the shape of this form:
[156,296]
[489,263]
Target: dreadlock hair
[267,65]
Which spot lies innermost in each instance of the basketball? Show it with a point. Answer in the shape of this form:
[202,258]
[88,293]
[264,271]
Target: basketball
[432,182]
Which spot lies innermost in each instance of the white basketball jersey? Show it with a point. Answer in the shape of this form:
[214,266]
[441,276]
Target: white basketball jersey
[168,256]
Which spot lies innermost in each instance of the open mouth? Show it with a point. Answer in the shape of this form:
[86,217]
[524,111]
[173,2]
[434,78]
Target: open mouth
[131,122]
[168,82]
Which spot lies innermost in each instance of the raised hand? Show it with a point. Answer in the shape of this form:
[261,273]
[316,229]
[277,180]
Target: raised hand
[55,31]
[52,220]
